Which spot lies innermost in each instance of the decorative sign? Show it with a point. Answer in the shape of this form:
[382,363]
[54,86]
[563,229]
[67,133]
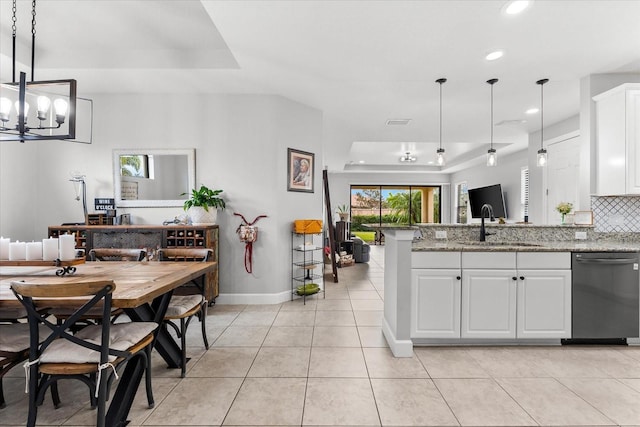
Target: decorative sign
[129,190]
[104,204]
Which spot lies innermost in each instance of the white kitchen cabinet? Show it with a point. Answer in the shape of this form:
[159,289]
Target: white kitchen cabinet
[516,295]
[618,140]
[544,294]
[435,294]
[435,299]
[544,304]
[488,303]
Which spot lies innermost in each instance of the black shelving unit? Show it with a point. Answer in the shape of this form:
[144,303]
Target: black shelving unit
[307,264]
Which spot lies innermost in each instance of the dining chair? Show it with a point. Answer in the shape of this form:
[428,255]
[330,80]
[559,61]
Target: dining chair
[14,348]
[117,254]
[103,254]
[92,355]
[184,307]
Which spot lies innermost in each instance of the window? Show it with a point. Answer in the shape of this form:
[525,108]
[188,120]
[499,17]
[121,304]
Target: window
[462,200]
[402,204]
[524,192]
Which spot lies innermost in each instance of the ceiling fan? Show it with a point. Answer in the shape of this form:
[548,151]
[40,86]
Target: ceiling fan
[407,158]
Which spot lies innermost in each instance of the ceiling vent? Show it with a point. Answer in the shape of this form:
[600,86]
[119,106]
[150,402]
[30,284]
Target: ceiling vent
[401,122]
[511,122]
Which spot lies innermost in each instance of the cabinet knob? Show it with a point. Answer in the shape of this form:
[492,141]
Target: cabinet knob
[514,278]
[521,277]
[458,277]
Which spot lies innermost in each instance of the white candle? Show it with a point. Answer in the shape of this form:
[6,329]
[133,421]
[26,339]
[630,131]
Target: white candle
[34,251]
[17,251]
[67,246]
[49,249]
[4,248]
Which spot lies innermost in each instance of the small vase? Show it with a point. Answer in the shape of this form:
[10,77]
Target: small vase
[562,220]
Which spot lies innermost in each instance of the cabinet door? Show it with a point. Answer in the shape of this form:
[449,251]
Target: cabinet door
[435,307]
[544,304]
[488,303]
[633,141]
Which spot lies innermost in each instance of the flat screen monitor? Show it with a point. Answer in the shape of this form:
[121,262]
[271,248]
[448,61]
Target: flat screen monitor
[491,195]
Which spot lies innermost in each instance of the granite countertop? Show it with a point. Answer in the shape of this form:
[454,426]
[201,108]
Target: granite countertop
[521,246]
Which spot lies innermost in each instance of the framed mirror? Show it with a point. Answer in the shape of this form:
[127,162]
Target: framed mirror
[153,178]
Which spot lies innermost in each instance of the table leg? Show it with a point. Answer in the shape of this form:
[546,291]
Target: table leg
[164,342]
[122,399]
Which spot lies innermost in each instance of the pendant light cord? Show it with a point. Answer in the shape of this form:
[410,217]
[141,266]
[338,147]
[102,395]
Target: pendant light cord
[541,115]
[491,116]
[491,82]
[542,82]
[441,114]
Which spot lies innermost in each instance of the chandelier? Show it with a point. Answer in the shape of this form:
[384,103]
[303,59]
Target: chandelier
[36,110]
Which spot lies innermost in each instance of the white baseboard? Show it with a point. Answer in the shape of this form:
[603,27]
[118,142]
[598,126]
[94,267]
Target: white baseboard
[399,348]
[254,298]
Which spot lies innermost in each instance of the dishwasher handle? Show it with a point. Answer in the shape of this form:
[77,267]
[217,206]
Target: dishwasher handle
[613,261]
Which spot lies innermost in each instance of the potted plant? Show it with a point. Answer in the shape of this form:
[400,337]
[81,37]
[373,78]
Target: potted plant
[343,212]
[197,206]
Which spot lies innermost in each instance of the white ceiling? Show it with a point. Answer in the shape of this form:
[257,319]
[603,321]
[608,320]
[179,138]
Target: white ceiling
[359,62]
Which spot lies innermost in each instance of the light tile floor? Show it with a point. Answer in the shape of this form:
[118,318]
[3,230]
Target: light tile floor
[327,363]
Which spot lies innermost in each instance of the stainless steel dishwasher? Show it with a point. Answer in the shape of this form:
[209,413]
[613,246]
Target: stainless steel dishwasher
[605,291]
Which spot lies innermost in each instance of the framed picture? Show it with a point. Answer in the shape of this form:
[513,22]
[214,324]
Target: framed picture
[300,165]
[583,218]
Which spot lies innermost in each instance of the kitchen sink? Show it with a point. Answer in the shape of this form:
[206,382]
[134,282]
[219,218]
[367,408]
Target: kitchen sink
[477,243]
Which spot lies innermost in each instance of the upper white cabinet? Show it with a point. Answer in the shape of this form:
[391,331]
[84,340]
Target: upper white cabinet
[618,140]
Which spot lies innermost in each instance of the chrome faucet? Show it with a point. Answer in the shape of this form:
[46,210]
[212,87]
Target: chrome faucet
[487,210]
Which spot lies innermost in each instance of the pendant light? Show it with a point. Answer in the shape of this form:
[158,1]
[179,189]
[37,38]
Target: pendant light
[492,156]
[542,152]
[440,151]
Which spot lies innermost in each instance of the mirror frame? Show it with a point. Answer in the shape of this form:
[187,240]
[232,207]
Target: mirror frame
[191,171]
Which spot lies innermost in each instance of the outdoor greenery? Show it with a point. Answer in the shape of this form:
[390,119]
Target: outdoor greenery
[128,164]
[399,204]
[358,220]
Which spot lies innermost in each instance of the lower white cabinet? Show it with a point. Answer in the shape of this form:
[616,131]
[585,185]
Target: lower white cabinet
[488,303]
[544,304]
[435,311]
[492,295]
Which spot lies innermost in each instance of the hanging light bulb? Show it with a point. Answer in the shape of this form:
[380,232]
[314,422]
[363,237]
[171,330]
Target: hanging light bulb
[26,110]
[440,151]
[43,107]
[542,152]
[60,106]
[5,109]
[492,156]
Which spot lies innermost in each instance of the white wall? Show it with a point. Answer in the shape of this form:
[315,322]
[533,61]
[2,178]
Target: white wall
[536,190]
[506,173]
[241,146]
[340,185]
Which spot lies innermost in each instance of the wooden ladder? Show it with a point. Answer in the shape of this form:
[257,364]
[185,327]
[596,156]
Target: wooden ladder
[330,227]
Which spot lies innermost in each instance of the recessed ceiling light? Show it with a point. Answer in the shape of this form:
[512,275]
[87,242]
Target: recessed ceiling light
[532,110]
[398,121]
[492,56]
[515,7]
[361,161]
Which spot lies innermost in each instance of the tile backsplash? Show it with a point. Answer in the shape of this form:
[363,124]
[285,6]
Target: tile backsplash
[616,214]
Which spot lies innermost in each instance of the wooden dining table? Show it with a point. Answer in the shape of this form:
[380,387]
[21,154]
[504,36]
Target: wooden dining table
[143,291]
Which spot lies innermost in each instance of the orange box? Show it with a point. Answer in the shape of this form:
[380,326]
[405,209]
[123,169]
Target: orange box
[307,226]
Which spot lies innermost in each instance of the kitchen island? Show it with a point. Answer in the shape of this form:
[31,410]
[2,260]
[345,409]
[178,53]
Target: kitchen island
[445,282]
